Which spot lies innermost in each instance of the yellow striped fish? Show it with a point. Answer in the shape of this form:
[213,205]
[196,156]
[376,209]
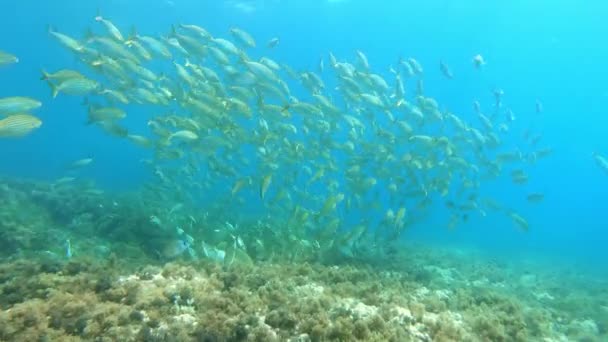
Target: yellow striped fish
[18,125]
[7,58]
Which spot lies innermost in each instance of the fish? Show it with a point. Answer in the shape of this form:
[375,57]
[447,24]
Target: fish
[140,140]
[415,65]
[239,184]
[399,217]
[97,114]
[18,104]
[538,106]
[330,204]
[74,86]
[601,161]
[197,30]
[184,135]
[519,221]
[342,143]
[273,42]
[226,46]
[81,163]
[18,125]
[66,40]
[264,185]
[478,61]
[7,58]
[175,248]
[213,253]
[114,95]
[535,197]
[445,70]
[243,37]
[68,249]
[362,60]
[61,75]
[114,32]
[155,45]
[519,177]
[112,128]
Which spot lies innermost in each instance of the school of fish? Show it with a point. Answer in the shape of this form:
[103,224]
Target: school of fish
[325,149]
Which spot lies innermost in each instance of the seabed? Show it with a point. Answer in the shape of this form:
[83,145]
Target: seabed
[114,285]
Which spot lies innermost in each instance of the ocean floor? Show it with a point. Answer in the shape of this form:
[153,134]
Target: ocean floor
[112,290]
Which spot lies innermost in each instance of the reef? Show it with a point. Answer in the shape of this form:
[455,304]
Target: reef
[114,283]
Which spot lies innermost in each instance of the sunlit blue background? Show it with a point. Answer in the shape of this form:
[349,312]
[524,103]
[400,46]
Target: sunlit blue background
[554,51]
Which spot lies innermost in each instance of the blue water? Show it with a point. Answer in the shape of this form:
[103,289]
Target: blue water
[553,51]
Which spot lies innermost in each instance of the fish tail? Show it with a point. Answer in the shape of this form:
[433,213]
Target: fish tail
[90,119]
[133,35]
[45,75]
[54,89]
[89,36]
[98,16]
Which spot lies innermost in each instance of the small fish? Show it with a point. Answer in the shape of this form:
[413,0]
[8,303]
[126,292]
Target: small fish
[105,114]
[415,66]
[140,140]
[445,70]
[538,107]
[264,185]
[81,163]
[477,107]
[197,30]
[68,249]
[175,248]
[243,37]
[61,75]
[66,40]
[155,220]
[498,94]
[362,60]
[239,184]
[114,32]
[213,253]
[519,177]
[74,86]
[64,180]
[519,221]
[478,61]
[176,207]
[114,95]
[184,135]
[273,43]
[7,58]
[400,216]
[18,104]
[535,197]
[114,129]
[601,161]
[510,115]
[157,46]
[321,65]
[18,125]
